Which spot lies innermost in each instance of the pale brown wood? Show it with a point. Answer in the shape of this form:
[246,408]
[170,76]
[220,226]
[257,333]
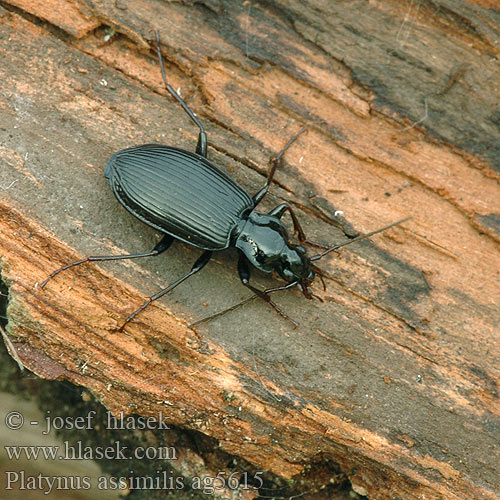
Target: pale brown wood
[394,377]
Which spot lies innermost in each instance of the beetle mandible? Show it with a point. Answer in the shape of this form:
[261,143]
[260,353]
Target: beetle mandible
[188,198]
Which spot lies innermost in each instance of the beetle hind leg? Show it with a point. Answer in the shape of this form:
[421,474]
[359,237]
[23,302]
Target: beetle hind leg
[201,147]
[162,245]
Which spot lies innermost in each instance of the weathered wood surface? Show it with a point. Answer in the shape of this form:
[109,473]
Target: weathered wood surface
[394,377]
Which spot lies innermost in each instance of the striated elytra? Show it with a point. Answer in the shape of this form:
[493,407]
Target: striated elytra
[186,197]
[179,193]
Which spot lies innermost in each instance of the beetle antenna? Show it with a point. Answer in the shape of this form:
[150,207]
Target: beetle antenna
[262,294]
[358,238]
[221,313]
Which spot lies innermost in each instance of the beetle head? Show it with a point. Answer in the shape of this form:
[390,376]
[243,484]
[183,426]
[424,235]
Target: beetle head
[295,266]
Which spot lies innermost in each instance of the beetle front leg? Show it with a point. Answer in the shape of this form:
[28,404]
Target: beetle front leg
[278,213]
[244,272]
[280,210]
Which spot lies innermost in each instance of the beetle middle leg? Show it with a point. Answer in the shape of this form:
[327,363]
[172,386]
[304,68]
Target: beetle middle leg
[162,245]
[198,266]
[274,165]
[201,147]
[244,272]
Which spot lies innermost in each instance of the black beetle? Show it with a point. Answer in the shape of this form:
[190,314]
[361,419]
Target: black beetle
[188,198]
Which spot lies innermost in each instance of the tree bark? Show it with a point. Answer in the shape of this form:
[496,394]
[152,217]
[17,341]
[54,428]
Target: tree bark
[393,376]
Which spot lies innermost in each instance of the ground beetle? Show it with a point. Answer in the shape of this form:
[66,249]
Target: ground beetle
[188,198]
